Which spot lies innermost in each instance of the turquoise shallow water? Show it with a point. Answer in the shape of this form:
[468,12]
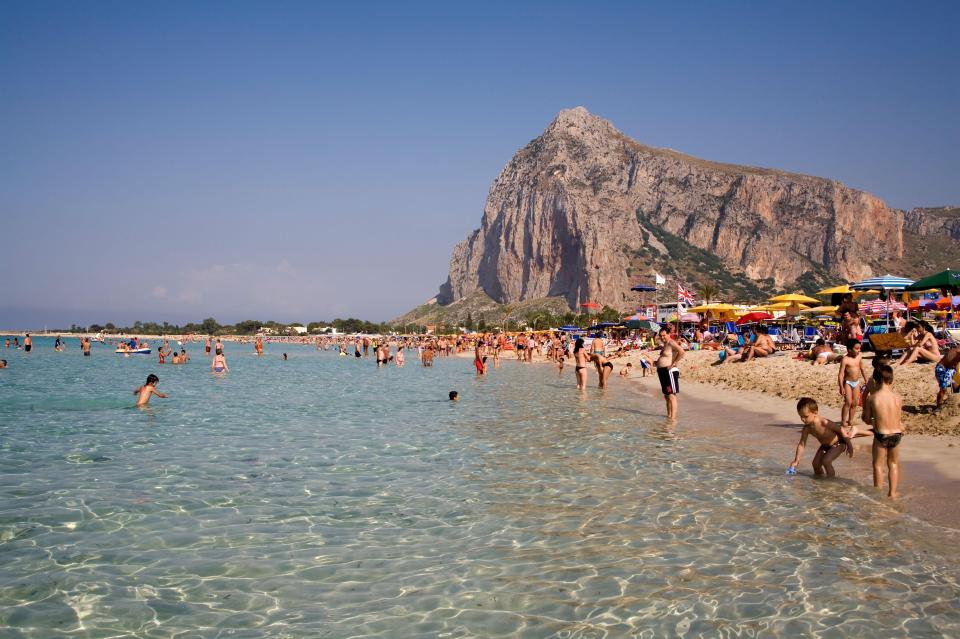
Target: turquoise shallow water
[321,497]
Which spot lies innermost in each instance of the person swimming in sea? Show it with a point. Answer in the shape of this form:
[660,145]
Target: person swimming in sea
[148,389]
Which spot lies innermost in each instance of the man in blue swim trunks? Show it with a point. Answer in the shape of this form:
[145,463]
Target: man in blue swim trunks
[945,371]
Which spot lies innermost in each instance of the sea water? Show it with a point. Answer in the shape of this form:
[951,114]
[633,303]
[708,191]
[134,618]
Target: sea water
[324,497]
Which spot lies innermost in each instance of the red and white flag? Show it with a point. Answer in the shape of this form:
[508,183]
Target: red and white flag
[684,296]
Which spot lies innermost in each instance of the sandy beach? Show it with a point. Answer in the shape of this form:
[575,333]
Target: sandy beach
[784,377]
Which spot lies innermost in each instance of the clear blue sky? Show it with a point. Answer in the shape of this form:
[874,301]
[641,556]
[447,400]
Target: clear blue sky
[302,161]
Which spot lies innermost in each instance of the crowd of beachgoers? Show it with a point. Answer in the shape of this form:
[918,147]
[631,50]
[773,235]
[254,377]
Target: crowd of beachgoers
[882,394]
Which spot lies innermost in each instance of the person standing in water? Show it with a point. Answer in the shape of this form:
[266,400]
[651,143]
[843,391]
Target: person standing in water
[670,354]
[27,343]
[148,389]
[85,346]
[219,363]
[580,359]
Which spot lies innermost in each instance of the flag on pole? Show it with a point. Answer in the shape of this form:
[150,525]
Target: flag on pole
[660,279]
[684,296]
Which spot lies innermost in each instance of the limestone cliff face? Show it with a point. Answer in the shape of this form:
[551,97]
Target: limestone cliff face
[944,221]
[571,211]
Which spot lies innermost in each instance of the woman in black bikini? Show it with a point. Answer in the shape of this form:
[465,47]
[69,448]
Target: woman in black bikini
[580,357]
[604,368]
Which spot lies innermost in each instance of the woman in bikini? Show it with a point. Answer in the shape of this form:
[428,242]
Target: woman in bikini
[219,363]
[925,349]
[604,368]
[580,357]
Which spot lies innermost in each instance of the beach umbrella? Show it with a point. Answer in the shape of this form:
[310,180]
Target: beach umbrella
[945,303]
[589,305]
[948,280]
[754,316]
[570,329]
[880,307]
[820,310]
[643,288]
[916,305]
[689,317]
[644,325]
[793,298]
[884,283]
[835,290]
[844,289]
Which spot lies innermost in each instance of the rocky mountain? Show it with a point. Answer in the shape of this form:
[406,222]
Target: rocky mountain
[583,212]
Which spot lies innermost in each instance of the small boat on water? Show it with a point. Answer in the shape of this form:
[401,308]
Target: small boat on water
[132,351]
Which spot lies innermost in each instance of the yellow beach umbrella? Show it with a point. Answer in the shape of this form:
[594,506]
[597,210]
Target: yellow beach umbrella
[794,298]
[845,288]
[821,310]
[719,307]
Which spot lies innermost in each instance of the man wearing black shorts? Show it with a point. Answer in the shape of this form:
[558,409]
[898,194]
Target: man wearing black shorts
[667,372]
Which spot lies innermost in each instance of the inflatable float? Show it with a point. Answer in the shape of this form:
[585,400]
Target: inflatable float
[132,351]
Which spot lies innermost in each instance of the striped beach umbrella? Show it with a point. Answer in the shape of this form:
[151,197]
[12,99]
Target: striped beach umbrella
[880,307]
[883,282]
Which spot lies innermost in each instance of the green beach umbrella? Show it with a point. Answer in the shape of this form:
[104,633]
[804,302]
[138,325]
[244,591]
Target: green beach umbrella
[644,325]
[944,280]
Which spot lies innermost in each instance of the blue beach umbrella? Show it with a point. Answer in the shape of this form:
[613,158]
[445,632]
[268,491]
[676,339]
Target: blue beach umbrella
[643,288]
[884,282]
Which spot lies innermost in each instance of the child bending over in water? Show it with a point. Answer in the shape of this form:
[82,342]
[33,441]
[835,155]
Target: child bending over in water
[832,440]
[148,389]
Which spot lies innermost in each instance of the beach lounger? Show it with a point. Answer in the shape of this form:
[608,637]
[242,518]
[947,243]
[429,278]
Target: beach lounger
[810,335]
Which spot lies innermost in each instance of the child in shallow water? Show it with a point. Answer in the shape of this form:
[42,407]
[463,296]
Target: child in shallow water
[148,389]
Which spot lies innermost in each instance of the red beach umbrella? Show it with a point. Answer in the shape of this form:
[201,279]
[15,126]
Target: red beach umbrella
[755,316]
[590,305]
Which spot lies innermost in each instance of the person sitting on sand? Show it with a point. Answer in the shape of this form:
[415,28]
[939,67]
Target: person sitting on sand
[925,349]
[625,371]
[945,373]
[832,440]
[148,389]
[849,378]
[762,347]
[822,354]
